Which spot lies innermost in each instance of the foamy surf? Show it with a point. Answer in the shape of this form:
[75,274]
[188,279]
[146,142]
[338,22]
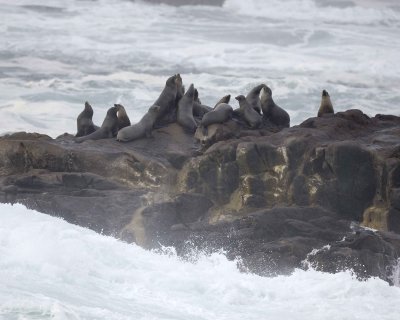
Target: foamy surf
[50,269]
[55,55]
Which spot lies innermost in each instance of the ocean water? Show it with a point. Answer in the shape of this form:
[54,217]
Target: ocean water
[56,54]
[50,269]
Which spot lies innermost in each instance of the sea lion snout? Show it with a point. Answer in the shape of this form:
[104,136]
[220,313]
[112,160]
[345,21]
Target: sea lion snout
[325,93]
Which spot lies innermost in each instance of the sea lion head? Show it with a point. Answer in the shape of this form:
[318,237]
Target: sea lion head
[178,79]
[267,91]
[325,93]
[190,92]
[240,98]
[112,111]
[171,81]
[119,107]
[226,98]
[88,109]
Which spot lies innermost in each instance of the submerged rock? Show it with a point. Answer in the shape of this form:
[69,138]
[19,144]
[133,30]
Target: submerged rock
[279,200]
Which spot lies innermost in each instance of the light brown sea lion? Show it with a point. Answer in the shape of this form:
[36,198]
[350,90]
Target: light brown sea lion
[185,111]
[123,119]
[141,129]
[271,110]
[253,97]
[251,116]
[326,104]
[108,129]
[84,121]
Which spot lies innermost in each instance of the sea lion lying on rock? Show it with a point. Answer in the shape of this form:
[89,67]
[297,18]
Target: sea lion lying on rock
[221,114]
[272,111]
[141,129]
[84,121]
[326,104]
[108,129]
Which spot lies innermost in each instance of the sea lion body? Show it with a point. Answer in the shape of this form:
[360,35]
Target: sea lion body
[326,104]
[221,114]
[272,111]
[108,129]
[84,122]
[167,99]
[185,110]
[251,116]
[141,129]
[180,89]
[253,97]
[196,96]
[199,110]
[123,119]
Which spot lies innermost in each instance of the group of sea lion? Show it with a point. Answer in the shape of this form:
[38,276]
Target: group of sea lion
[184,107]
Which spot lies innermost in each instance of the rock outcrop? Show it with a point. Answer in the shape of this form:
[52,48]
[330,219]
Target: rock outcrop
[299,197]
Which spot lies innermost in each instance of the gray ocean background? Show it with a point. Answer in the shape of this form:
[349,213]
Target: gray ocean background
[56,54]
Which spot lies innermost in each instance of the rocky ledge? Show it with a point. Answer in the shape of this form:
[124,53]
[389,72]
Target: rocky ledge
[325,193]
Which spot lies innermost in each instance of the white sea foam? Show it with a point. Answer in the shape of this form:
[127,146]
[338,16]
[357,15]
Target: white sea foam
[50,269]
[57,54]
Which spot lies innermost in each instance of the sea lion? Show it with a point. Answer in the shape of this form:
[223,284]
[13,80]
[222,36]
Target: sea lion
[141,129]
[108,129]
[253,97]
[84,121]
[185,110]
[123,119]
[224,99]
[221,114]
[199,109]
[196,96]
[167,99]
[272,111]
[326,104]
[180,89]
[251,116]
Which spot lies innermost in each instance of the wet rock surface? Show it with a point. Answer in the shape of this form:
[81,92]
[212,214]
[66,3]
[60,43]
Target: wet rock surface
[276,199]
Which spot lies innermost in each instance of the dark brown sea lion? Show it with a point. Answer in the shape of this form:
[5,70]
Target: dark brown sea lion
[326,104]
[141,129]
[272,111]
[84,121]
[108,129]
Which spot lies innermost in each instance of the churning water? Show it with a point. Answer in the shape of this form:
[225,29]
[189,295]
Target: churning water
[55,54]
[50,269]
